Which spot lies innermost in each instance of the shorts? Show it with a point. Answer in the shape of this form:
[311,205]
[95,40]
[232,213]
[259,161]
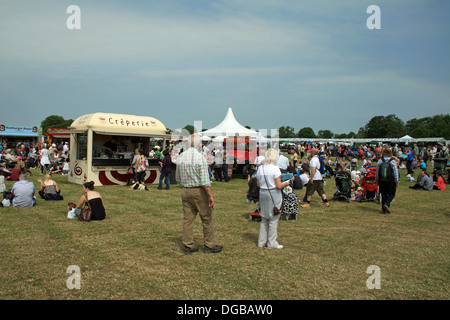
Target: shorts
[316,186]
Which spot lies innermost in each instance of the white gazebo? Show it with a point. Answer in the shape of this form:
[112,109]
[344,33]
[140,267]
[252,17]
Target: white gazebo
[230,127]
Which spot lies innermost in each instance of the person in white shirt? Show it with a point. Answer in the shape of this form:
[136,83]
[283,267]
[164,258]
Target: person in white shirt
[283,163]
[304,177]
[270,196]
[316,182]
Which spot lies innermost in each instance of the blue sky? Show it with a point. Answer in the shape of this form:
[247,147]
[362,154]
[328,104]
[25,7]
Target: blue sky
[297,63]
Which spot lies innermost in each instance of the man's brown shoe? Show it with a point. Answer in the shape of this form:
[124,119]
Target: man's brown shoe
[305,205]
[188,250]
[214,249]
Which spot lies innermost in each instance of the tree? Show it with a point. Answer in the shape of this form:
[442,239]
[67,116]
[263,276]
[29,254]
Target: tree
[435,126]
[324,134]
[440,126]
[54,121]
[190,128]
[286,132]
[306,132]
[389,126]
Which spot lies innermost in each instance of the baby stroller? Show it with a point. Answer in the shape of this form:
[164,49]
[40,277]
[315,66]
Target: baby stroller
[253,196]
[343,186]
[439,167]
[328,171]
[370,186]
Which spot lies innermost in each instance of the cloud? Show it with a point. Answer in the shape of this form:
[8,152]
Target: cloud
[221,72]
[39,34]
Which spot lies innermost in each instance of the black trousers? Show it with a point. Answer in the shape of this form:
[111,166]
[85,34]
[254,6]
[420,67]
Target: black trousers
[387,191]
[409,166]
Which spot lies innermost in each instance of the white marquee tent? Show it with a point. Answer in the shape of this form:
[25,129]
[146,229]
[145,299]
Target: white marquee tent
[230,127]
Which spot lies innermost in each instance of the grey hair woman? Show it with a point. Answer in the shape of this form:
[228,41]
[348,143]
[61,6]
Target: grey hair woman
[270,196]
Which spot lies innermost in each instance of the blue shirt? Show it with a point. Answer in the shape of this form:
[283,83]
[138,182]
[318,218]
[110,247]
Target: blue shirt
[410,156]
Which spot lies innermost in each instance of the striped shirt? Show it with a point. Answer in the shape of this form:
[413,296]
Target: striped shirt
[192,169]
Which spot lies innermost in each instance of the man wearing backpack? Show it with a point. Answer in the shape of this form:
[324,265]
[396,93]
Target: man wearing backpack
[387,177]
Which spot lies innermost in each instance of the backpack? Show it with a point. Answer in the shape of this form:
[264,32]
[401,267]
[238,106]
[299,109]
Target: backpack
[253,189]
[322,169]
[386,173]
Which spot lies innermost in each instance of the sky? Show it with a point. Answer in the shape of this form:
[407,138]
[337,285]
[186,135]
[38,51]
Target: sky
[297,63]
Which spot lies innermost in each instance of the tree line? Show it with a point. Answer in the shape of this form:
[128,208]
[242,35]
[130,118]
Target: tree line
[389,126]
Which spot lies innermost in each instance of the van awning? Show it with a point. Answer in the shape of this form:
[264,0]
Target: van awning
[116,133]
[131,133]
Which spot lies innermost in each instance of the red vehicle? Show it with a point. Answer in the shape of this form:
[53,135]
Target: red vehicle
[244,150]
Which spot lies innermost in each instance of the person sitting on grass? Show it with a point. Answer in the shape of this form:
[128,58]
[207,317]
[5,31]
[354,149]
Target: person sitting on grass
[23,192]
[439,184]
[425,182]
[49,189]
[15,172]
[4,172]
[95,201]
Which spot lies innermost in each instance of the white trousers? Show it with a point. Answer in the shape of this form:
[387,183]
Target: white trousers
[268,232]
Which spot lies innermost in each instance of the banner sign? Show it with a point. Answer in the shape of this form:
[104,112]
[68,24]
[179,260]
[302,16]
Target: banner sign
[19,131]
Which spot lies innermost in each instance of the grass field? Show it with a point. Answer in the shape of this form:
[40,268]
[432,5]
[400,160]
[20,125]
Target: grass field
[135,253]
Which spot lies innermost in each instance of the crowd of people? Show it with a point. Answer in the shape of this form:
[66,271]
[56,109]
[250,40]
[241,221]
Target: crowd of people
[15,164]
[309,165]
[53,158]
[17,159]
[358,162]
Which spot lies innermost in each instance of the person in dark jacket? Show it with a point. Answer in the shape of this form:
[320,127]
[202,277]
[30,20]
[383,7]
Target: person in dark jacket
[166,169]
[297,183]
[388,186]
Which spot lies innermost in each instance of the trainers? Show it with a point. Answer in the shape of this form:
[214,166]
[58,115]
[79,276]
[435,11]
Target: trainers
[188,250]
[306,205]
[386,209]
[214,249]
[277,247]
[326,204]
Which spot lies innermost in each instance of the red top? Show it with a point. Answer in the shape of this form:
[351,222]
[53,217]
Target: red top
[440,184]
[15,173]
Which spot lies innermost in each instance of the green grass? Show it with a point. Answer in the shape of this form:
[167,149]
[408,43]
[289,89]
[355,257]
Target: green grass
[136,252]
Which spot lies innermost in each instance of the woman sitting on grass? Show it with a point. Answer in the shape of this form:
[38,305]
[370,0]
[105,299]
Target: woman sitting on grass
[49,189]
[439,184]
[95,201]
[15,172]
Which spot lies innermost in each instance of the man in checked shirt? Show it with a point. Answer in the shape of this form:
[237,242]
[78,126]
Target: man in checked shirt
[196,195]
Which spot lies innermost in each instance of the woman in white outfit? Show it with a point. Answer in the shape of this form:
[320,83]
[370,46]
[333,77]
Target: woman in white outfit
[269,182]
[45,160]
